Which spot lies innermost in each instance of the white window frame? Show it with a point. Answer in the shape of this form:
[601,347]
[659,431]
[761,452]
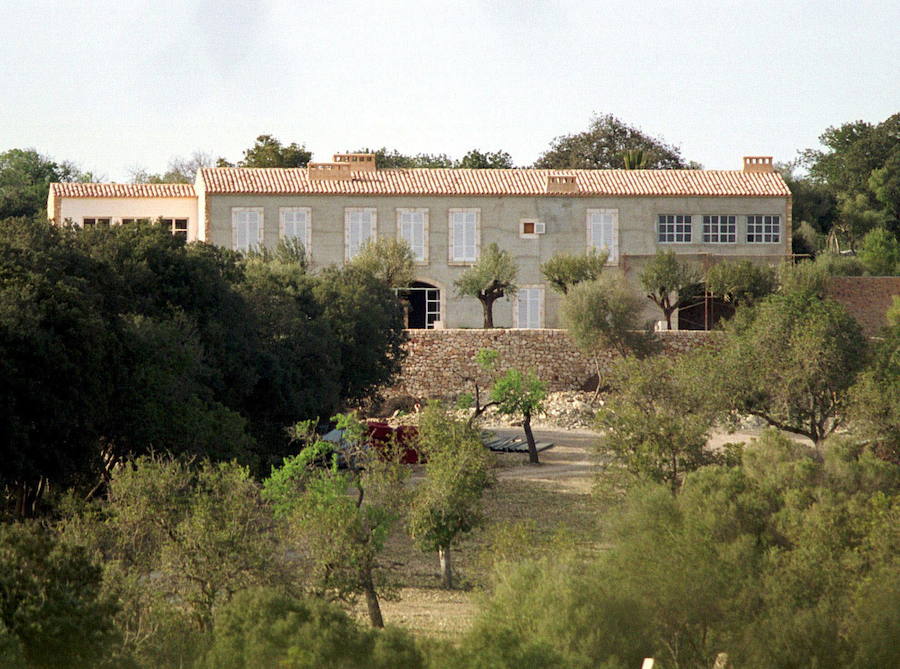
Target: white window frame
[351,249]
[405,212]
[603,232]
[236,213]
[535,293]
[680,227]
[719,229]
[465,258]
[306,237]
[764,229]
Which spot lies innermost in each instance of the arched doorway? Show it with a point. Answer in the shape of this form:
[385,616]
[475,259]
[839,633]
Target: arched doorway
[424,305]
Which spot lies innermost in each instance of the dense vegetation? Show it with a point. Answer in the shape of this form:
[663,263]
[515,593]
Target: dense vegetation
[121,341]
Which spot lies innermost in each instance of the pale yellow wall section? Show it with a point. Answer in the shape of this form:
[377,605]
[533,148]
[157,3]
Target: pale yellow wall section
[78,208]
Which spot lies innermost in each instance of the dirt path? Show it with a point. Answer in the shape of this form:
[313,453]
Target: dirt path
[569,464]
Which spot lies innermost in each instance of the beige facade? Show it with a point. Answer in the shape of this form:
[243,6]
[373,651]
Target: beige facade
[500,218]
[113,203]
[450,215]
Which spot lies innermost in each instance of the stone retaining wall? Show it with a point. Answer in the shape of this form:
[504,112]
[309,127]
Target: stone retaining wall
[867,298]
[439,360]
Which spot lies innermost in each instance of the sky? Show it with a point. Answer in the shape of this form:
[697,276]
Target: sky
[114,86]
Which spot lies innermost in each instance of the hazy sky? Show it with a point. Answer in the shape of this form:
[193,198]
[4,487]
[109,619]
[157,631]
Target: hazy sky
[114,85]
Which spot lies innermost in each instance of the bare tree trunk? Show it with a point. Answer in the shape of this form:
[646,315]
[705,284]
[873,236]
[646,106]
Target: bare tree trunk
[372,602]
[446,567]
[487,306]
[597,389]
[529,437]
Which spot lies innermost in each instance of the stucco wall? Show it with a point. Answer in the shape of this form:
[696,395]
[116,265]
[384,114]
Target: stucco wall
[117,208]
[566,230]
[439,359]
[867,298]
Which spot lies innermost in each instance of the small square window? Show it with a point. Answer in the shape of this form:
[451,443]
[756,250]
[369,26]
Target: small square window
[528,228]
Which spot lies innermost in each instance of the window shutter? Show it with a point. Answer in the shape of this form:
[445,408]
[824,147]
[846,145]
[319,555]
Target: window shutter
[523,308]
[459,237]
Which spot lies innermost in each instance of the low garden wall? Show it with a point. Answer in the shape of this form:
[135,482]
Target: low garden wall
[438,360]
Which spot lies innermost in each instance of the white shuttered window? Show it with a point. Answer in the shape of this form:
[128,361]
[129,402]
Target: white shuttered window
[359,227]
[246,228]
[529,307]
[412,227]
[295,224]
[464,235]
[603,232]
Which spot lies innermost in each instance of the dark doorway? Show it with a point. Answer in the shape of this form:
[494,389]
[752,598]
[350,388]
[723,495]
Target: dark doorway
[704,314]
[424,306]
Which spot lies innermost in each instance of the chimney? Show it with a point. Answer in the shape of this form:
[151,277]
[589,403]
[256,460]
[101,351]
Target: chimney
[561,183]
[328,171]
[758,164]
[359,162]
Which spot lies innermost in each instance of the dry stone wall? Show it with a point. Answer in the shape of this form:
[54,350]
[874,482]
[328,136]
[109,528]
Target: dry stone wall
[867,298]
[439,360]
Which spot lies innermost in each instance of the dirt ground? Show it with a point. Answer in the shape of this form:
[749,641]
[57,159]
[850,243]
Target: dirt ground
[553,498]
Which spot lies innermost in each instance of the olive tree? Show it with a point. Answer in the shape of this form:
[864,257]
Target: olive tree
[740,281]
[447,503]
[791,361]
[604,315]
[518,394]
[669,283]
[388,259]
[565,270]
[493,276]
[340,517]
[53,611]
[656,422]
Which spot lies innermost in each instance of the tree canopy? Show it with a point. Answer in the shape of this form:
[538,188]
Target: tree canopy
[670,283]
[122,340]
[605,144]
[268,151]
[475,159]
[565,270]
[25,178]
[791,361]
[854,181]
[180,170]
[491,277]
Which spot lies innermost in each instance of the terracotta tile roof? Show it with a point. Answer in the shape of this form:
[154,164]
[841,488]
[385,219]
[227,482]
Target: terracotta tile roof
[523,182]
[121,190]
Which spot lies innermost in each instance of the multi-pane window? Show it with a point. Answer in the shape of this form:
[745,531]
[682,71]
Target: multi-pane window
[295,224]
[763,229]
[673,229]
[95,222]
[177,226]
[464,231]
[719,230]
[246,228]
[359,227]
[412,227]
[603,232]
[135,220]
[529,307]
